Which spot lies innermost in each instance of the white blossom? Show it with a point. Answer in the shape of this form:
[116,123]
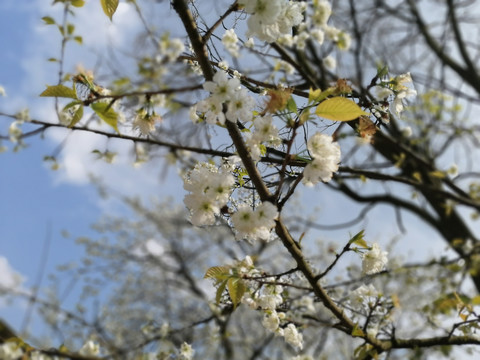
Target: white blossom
[240,106]
[230,42]
[292,336]
[10,351]
[90,348]
[222,87]
[322,12]
[14,131]
[271,321]
[212,108]
[186,351]
[254,225]
[330,62]
[326,157]
[374,260]
[362,295]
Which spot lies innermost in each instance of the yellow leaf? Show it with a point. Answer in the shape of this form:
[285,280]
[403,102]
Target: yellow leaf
[109,7]
[339,109]
[236,289]
[438,174]
[217,272]
[357,332]
[313,94]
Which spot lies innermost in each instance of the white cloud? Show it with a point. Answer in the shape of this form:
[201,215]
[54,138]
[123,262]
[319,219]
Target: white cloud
[9,278]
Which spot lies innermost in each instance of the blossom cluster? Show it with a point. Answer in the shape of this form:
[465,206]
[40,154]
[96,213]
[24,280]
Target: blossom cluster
[396,87]
[326,157]
[268,299]
[255,224]
[272,20]
[210,188]
[225,90]
[374,260]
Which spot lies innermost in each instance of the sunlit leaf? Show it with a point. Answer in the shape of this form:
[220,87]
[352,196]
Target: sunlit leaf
[77,3]
[59,91]
[358,240]
[106,113]
[339,109]
[217,272]
[48,20]
[77,115]
[220,291]
[109,7]
[236,289]
[357,331]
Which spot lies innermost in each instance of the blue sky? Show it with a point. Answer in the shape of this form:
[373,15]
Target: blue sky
[34,198]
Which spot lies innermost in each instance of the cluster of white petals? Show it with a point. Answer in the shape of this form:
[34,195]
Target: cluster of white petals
[363,295]
[255,224]
[10,351]
[90,348]
[230,42]
[374,260]
[268,299]
[186,351]
[265,132]
[271,19]
[225,90]
[396,87]
[326,157]
[210,188]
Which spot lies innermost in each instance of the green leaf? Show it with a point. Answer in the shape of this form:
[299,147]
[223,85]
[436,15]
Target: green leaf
[106,113]
[339,109]
[356,331]
[358,239]
[48,20]
[70,29]
[59,91]
[77,116]
[220,291]
[236,289]
[78,39]
[77,3]
[109,7]
[292,105]
[217,272]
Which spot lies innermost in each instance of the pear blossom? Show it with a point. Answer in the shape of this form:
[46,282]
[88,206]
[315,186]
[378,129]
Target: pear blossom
[230,41]
[240,106]
[271,321]
[292,336]
[363,295]
[255,224]
[374,260]
[212,108]
[401,91]
[330,62]
[210,188]
[14,131]
[10,351]
[186,351]
[322,12]
[222,87]
[326,156]
[90,348]
[145,122]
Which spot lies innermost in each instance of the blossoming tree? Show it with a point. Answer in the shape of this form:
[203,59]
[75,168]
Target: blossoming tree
[280,120]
